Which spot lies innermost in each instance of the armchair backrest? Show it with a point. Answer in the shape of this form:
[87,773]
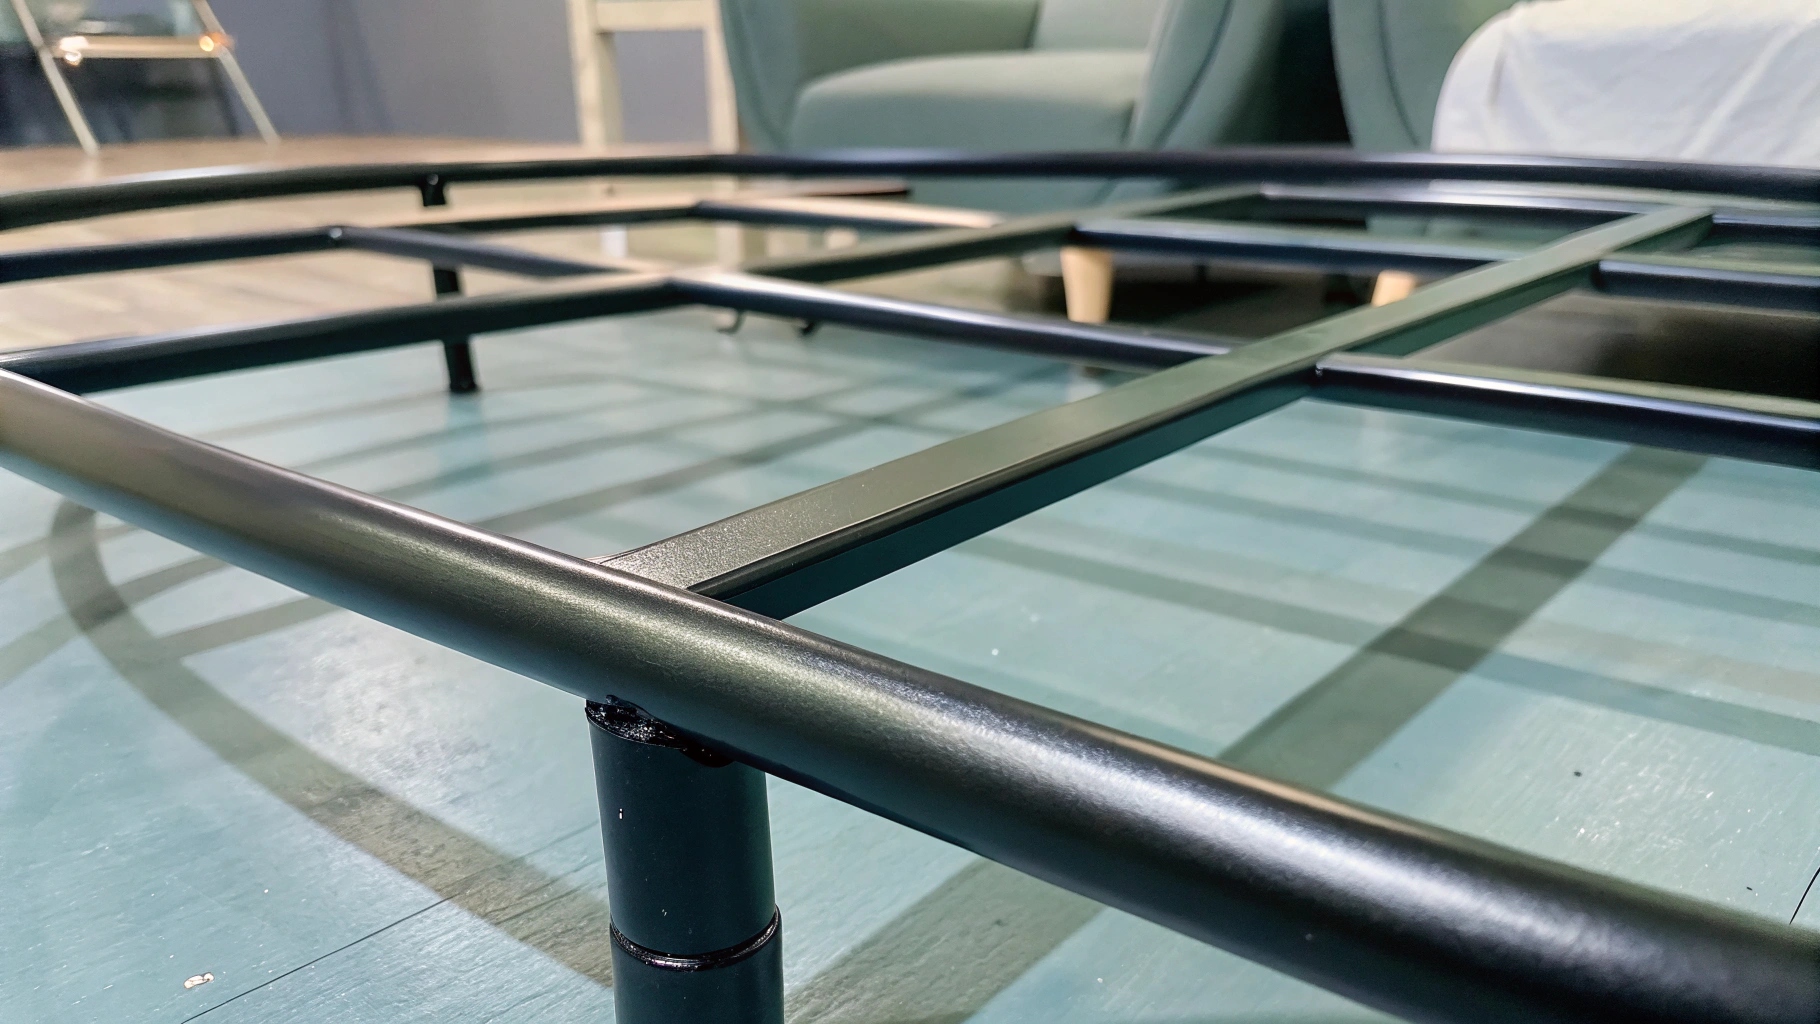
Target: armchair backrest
[1210,62]
[1218,70]
[1095,24]
[1392,56]
[1232,72]
[775,47]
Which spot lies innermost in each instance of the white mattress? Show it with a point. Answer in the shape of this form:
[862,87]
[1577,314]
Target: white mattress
[1722,81]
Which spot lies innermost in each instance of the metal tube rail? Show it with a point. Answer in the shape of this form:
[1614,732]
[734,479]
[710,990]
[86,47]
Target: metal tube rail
[37,264]
[1048,336]
[1421,198]
[411,243]
[1296,248]
[464,252]
[909,252]
[1787,287]
[1414,920]
[1704,420]
[1759,221]
[1793,288]
[87,366]
[1287,165]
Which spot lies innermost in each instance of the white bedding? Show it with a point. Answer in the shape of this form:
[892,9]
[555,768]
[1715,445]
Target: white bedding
[1722,81]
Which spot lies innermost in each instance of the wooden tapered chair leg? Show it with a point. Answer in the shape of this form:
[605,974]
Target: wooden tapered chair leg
[1087,284]
[1393,286]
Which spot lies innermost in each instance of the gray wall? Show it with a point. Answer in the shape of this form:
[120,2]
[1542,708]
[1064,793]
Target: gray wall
[665,83]
[474,68]
[287,49]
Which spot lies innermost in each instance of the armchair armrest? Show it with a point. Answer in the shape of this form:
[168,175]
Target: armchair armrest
[776,47]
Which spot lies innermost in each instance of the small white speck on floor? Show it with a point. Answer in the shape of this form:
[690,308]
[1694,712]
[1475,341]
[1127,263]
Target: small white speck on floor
[198,979]
[995,652]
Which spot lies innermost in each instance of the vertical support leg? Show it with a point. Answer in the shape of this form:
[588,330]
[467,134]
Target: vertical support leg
[458,353]
[696,933]
[1087,284]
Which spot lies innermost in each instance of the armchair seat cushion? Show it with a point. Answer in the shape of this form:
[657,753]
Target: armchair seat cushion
[989,102]
[1070,99]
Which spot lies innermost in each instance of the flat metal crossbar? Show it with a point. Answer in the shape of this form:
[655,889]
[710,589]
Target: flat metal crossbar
[694,684]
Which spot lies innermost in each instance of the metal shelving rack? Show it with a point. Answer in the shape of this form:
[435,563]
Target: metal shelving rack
[213,43]
[695,688]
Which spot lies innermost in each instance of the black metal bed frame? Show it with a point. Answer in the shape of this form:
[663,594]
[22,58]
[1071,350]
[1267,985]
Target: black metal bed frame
[695,689]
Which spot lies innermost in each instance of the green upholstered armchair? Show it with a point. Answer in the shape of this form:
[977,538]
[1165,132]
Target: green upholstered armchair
[1392,56]
[1002,75]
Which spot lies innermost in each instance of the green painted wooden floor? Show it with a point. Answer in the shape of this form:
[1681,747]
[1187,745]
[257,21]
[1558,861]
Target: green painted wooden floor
[1605,655]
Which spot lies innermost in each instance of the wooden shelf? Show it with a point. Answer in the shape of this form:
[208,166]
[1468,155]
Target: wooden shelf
[76,49]
[651,15]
